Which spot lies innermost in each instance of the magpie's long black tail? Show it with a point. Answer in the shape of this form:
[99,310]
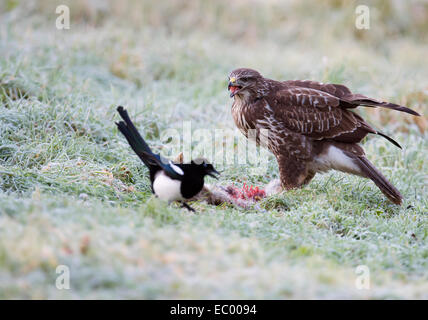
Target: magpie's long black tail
[134,138]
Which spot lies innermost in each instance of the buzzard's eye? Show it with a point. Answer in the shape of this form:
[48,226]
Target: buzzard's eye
[245,79]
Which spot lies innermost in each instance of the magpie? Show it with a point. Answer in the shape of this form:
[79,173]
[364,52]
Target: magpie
[169,181]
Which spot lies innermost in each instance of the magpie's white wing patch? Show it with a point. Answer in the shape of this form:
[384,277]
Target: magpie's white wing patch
[177,169]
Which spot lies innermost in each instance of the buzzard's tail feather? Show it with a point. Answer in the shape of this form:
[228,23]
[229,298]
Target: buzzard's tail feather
[370,171]
[394,106]
[357,99]
[389,139]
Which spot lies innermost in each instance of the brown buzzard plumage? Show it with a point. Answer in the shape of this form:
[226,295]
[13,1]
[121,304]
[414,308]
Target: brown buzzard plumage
[311,127]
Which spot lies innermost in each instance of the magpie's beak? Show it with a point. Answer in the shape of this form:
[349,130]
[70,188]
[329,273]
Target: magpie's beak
[213,173]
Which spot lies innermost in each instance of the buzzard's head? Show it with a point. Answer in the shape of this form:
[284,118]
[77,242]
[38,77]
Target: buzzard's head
[244,83]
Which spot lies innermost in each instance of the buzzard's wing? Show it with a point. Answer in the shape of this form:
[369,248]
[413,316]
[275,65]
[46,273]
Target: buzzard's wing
[337,90]
[347,98]
[317,114]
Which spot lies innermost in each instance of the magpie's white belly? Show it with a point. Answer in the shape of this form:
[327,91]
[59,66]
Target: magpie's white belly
[166,188]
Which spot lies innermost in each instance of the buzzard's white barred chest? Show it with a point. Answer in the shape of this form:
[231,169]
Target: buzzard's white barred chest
[269,132]
[239,113]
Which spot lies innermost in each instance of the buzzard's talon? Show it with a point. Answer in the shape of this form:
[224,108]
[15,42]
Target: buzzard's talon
[273,187]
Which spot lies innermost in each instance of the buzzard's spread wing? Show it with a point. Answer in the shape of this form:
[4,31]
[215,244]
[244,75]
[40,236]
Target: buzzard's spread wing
[317,114]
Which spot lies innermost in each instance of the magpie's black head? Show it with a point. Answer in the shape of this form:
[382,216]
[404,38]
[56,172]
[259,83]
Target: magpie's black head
[204,167]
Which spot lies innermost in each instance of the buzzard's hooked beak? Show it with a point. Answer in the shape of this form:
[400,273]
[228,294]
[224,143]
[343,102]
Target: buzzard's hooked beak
[233,87]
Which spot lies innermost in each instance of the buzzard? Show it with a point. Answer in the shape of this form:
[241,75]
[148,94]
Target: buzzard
[311,127]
